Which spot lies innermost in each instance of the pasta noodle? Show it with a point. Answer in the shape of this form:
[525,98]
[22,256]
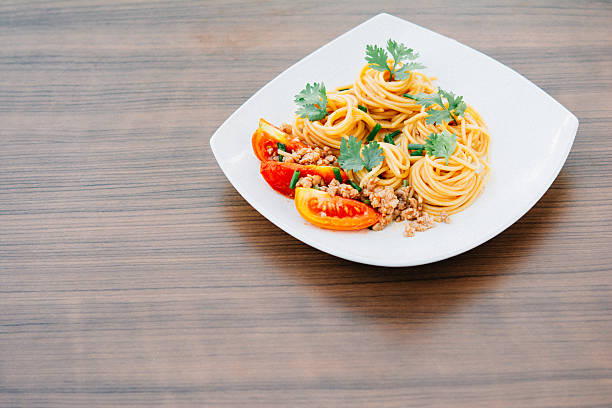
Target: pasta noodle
[345,118]
[385,100]
[449,188]
[394,168]
[471,131]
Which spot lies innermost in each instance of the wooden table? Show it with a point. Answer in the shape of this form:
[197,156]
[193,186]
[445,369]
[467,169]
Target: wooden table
[132,273]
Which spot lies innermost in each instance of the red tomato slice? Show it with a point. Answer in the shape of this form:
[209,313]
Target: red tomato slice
[333,212]
[278,174]
[268,135]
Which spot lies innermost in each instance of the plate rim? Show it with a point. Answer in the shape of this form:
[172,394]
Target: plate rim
[569,129]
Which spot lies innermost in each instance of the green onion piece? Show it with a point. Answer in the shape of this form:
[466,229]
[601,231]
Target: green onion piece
[389,137]
[405,183]
[316,187]
[366,201]
[415,146]
[281,147]
[374,132]
[343,89]
[355,185]
[417,153]
[294,179]
[362,108]
[337,175]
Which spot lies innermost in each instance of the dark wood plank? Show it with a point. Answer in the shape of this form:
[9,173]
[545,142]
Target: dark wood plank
[132,273]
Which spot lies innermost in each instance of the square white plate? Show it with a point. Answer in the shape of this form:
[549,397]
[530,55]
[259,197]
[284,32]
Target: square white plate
[526,117]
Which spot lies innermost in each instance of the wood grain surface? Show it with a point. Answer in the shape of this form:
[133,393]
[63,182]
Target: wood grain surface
[133,274]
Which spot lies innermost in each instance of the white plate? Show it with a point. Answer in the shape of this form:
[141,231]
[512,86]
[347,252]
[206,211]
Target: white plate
[520,117]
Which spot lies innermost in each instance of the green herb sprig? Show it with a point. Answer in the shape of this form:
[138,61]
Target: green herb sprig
[354,156]
[378,58]
[437,144]
[312,102]
[456,105]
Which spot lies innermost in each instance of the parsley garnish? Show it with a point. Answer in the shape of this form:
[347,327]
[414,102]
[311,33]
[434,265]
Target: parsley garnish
[456,105]
[377,58]
[350,154]
[437,144]
[441,144]
[372,155]
[312,102]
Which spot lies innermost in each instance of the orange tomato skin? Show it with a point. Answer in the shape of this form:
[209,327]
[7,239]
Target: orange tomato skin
[278,174]
[268,135]
[333,212]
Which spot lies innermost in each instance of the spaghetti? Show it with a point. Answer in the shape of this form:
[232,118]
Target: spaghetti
[433,147]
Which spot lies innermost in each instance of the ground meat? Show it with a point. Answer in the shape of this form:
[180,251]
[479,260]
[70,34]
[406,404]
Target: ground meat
[332,188]
[347,191]
[287,157]
[382,223]
[305,155]
[309,181]
[318,156]
[401,205]
[403,194]
[271,154]
[409,230]
[369,188]
[384,200]
[422,223]
[343,190]
[308,155]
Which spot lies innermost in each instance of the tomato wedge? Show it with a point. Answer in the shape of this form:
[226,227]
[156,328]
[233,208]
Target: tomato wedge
[268,135]
[278,174]
[333,212]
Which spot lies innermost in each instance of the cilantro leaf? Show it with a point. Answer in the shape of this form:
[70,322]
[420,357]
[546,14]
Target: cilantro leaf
[404,71]
[351,151]
[438,116]
[456,105]
[312,102]
[377,59]
[401,53]
[441,144]
[350,154]
[426,99]
[372,155]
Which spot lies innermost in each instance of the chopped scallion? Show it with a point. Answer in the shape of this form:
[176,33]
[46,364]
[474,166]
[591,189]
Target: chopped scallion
[374,132]
[362,108]
[337,175]
[389,137]
[281,148]
[294,179]
[355,185]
